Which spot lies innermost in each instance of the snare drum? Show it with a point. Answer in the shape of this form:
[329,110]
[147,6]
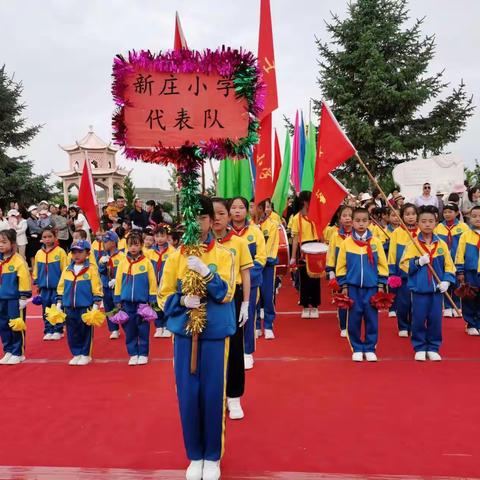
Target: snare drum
[283,252]
[315,254]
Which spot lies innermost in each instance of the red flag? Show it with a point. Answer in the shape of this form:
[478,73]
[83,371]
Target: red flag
[278,162]
[87,199]
[333,146]
[266,58]
[327,195]
[180,41]
[263,161]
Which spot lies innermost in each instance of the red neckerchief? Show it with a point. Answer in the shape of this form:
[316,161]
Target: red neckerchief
[478,238]
[240,232]
[413,231]
[449,228]
[75,278]
[110,265]
[47,252]
[227,237]
[430,253]
[344,235]
[132,262]
[160,254]
[367,244]
[2,263]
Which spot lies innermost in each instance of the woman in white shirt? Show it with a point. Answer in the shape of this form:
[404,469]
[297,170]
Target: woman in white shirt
[77,221]
[4,225]
[19,224]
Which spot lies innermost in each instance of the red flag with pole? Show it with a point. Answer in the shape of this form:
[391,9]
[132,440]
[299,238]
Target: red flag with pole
[87,198]
[180,41]
[277,162]
[263,162]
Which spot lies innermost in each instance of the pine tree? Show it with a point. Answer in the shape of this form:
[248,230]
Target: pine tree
[129,192]
[17,180]
[374,74]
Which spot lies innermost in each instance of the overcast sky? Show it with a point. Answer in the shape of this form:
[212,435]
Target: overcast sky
[62,51]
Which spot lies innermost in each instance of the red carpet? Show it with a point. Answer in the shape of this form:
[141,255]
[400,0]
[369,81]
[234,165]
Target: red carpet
[308,407]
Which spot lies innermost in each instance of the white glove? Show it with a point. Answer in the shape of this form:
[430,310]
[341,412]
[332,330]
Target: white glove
[22,304]
[59,306]
[196,265]
[111,283]
[95,306]
[243,317]
[293,261]
[443,286]
[331,275]
[191,301]
[104,259]
[424,260]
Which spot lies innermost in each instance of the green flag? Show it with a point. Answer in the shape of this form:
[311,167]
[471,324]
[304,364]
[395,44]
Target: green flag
[227,179]
[310,156]
[244,179]
[280,195]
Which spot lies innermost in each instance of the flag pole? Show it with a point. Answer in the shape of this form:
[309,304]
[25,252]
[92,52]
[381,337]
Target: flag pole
[382,193]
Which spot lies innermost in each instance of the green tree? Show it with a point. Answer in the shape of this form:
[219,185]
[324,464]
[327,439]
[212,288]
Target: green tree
[473,175]
[374,73]
[129,192]
[17,180]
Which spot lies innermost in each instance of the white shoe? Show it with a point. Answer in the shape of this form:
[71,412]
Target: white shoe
[262,313]
[457,315]
[142,360]
[47,336]
[357,356]
[56,336]
[269,335]
[15,359]
[392,314]
[235,411]
[473,331]
[194,470]
[314,313]
[84,360]
[434,356]
[448,312]
[5,358]
[211,470]
[343,333]
[258,333]
[420,356]
[166,333]
[305,313]
[371,357]
[133,360]
[158,334]
[74,360]
[248,361]
[115,335]
[403,333]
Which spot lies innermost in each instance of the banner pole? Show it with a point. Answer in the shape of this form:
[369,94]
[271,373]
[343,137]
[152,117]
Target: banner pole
[382,193]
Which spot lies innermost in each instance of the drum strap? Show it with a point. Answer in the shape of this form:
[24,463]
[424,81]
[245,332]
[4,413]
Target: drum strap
[300,217]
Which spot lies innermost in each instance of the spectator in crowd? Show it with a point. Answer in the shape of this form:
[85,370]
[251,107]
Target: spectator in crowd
[60,221]
[121,209]
[167,218]
[440,195]
[138,216]
[426,198]
[4,225]
[19,224]
[398,201]
[154,213]
[44,219]
[34,233]
[77,221]
[105,221]
[378,199]
[112,210]
[470,201]
[44,205]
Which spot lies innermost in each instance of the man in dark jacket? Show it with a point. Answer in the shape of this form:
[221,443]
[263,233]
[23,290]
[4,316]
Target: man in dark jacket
[138,216]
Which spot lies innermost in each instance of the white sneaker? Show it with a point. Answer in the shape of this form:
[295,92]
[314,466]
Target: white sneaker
[305,313]
[392,314]
[133,360]
[158,334]
[115,335]
[457,315]
[314,313]
[74,360]
[56,336]
[420,356]
[357,356]
[211,470]
[434,356]
[258,333]
[343,333]
[47,336]
[166,333]
[5,358]
[235,411]
[448,312]
[371,356]
[269,335]
[248,361]
[472,331]
[15,359]
[194,470]
[403,333]
[84,360]
[262,313]
[142,360]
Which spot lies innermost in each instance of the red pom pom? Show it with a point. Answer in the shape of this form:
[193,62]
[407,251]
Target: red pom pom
[394,281]
[466,291]
[333,284]
[382,300]
[342,301]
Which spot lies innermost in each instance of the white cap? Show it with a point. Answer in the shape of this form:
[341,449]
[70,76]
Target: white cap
[31,208]
[13,213]
[44,201]
[110,200]
[365,197]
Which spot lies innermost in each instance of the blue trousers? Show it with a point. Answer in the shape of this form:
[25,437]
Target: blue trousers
[13,342]
[48,298]
[471,311]
[249,328]
[427,321]
[160,320]
[393,308]
[362,311]
[456,300]
[79,335]
[342,314]
[137,331]
[201,397]
[109,305]
[404,307]
[267,294]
